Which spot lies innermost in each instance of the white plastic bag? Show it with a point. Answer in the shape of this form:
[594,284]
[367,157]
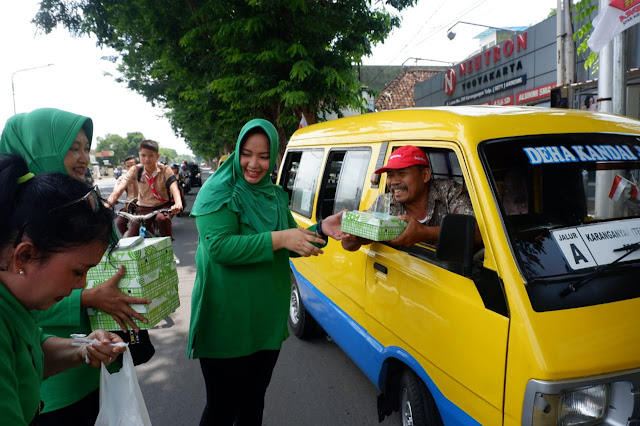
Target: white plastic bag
[121,401]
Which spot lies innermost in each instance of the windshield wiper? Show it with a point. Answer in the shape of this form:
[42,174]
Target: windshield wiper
[572,288]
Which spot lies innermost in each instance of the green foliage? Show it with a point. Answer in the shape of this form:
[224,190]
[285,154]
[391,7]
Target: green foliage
[171,154]
[215,64]
[120,146]
[583,12]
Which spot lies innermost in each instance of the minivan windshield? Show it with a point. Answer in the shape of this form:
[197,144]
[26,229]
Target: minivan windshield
[570,204]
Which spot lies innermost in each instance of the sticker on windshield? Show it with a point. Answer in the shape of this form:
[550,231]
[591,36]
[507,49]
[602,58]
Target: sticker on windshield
[580,153]
[594,245]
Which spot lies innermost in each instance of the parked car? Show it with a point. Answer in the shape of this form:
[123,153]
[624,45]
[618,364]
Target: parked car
[196,179]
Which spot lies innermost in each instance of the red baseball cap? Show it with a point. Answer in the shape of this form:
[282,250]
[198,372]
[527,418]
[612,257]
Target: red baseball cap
[405,156]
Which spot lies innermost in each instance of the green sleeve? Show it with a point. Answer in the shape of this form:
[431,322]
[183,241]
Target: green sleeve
[10,402]
[220,234]
[66,313]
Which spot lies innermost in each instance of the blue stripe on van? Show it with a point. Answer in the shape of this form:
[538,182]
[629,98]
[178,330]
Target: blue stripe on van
[366,351]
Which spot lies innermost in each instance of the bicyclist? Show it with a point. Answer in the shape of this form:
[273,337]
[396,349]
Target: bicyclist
[155,182]
[132,192]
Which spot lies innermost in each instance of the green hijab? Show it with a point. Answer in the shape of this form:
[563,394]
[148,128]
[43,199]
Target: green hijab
[43,137]
[263,205]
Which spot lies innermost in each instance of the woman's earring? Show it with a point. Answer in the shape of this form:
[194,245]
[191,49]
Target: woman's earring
[21,271]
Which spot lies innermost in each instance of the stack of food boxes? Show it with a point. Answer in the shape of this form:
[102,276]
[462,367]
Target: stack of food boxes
[372,225]
[150,273]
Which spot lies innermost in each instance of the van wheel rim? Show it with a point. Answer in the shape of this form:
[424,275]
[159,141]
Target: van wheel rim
[407,414]
[294,306]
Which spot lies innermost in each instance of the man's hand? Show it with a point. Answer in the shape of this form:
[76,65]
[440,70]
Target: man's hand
[331,226]
[353,243]
[108,298]
[176,207]
[415,232]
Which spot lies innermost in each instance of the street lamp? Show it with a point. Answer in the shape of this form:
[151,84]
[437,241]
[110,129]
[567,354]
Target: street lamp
[13,92]
[451,35]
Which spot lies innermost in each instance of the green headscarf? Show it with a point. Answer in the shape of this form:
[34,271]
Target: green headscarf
[263,205]
[43,137]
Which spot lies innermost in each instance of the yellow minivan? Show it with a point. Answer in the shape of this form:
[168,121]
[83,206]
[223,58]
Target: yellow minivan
[540,325]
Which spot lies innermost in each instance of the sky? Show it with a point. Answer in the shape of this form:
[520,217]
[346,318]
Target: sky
[78,79]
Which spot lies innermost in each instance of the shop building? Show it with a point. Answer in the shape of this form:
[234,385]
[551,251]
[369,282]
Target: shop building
[522,71]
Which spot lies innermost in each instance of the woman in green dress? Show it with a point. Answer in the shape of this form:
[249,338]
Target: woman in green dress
[49,238]
[52,140]
[240,299]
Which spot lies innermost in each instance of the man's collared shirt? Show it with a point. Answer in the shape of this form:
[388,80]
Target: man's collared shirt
[445,197]
[146,198]
[132,187]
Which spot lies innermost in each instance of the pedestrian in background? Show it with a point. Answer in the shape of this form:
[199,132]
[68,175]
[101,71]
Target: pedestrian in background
[49,238]
[52,140]
[241,294]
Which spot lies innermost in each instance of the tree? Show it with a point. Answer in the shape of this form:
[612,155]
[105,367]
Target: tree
[116,143]
[171,154]
[134,139]
[583,13]
[213,64]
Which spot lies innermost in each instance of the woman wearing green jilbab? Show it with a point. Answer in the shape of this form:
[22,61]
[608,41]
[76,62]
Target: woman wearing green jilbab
[241,294]
[51,140]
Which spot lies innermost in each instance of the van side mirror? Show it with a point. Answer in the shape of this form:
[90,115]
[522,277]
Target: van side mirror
[456,240]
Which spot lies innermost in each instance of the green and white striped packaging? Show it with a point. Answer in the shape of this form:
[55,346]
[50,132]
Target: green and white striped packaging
[145,286]
[372,225]
[161,306]
[139,260]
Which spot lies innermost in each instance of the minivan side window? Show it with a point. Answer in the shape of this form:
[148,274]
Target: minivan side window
[300,179]
[343,180]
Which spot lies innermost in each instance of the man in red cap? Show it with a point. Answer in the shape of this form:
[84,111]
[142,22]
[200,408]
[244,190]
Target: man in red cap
[417,199]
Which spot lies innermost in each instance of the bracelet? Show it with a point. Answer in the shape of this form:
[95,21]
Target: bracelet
[319,229]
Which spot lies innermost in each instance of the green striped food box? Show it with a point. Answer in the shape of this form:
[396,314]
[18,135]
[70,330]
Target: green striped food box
[160,308]
[145,286]
[372,225]
[139,260]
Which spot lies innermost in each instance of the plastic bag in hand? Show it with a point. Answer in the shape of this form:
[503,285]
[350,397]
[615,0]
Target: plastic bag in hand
[121,401]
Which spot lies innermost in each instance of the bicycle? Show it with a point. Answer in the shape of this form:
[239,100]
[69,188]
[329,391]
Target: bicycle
[141,219]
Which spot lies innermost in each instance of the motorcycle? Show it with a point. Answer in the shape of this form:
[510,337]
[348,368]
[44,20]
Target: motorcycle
[185,183]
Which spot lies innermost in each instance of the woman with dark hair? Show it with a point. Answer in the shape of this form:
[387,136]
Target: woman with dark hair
[49,238]
[52,140]
[241,295]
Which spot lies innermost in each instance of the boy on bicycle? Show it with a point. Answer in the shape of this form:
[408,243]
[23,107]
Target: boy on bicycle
[155,182]
[132,192]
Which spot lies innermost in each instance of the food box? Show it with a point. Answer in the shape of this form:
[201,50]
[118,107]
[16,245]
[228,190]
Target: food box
[139,260]
[372,225]
[145,286]
[160,307]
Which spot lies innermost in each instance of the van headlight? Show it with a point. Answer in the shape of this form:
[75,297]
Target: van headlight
[584,406]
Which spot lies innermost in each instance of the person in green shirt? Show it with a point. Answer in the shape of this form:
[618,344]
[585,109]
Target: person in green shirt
[49,238]
[52,140]
[241,294]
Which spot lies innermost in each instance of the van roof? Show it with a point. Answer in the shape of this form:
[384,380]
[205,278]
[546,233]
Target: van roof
[472,124]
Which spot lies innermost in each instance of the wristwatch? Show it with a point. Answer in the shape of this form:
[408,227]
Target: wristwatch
[319,229]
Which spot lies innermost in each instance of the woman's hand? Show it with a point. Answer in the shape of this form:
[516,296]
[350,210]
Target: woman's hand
[331,226]
[102,353]
[108,298]
[297,240]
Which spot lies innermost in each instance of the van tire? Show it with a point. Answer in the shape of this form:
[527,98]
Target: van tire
[301,322]
[416,405]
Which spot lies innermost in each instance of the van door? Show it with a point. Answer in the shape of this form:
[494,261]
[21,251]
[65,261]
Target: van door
[336,182]
[437,316]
